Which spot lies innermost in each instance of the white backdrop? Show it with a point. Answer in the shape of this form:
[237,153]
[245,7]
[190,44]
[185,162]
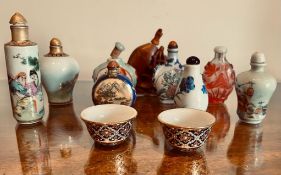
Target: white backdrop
[89,28]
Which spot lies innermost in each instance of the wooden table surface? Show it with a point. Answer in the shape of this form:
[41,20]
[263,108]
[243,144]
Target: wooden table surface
[62,145]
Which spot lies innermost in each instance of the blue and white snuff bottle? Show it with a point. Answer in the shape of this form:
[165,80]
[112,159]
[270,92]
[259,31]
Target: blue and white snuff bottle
[192,92]
[167,76]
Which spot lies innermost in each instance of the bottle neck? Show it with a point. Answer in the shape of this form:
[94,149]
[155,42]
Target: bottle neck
[220,56]
[172,57]
[257,68]
[115,53]
[113,72]
[191,70]
[19,33]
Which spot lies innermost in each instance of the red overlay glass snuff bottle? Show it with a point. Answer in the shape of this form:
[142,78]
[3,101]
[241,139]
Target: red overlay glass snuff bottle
[219,77]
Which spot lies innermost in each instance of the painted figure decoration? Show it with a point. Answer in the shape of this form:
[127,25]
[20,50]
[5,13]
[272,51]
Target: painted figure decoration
[23,73]
[254,89]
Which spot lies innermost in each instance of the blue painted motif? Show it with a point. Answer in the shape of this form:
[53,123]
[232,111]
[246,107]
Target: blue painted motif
[204,89]
[187,84]
[177,62]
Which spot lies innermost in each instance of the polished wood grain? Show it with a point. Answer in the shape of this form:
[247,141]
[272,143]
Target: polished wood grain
[61,144]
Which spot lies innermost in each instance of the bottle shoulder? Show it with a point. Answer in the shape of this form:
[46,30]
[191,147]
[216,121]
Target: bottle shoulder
[20,44]
[119,77]
[62,61]
[255,77]
[161,69]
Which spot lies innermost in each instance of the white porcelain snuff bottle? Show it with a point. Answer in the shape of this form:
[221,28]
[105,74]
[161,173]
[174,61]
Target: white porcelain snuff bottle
[167,76]
[192,92]
[23,70]
[59,74]
[125,68]
[254,89]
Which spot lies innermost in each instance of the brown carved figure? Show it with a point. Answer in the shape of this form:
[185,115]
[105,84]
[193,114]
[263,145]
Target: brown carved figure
[158,58]
[141,59]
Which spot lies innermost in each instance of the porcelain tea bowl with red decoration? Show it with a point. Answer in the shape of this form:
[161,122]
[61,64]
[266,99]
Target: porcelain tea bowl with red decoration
[109,124]
[186,129]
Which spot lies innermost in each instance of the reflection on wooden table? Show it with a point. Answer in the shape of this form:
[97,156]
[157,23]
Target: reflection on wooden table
[62,145]
[175,162]
[117,160]
[244,150]
[33,149]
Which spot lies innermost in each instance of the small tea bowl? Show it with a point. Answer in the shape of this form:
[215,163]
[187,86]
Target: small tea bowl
[186,129]
[109,124]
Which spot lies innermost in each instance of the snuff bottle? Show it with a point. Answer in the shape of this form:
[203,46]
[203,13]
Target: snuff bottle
[23,70]
[113,88]
[141,59]
[167,76]
[191,91]
[125,68]
[59,74]
[219,76]
[254,89]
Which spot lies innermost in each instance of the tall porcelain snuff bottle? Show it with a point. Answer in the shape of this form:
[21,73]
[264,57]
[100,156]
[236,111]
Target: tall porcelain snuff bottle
[254,89]
[125,68]
[23,71]
[219,77]
[113,88]
[59,74]
[192,92]
[167,76]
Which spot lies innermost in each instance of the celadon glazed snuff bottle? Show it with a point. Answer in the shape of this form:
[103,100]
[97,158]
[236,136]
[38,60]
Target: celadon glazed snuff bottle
[125,68]
[113,87]
[59,74]
[192,92]
[167,76]
[254,89]
[23,70]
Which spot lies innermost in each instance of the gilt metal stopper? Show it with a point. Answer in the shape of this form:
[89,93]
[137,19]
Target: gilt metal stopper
[19,29]
[56,49]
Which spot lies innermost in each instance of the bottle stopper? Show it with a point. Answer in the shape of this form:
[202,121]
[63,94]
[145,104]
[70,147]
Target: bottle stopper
[220,49]
[113,69]
[19,29]
[258,58]
[193,60]
[173,46]
[56,49]
[112,65]
[119,47]
[18,19]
